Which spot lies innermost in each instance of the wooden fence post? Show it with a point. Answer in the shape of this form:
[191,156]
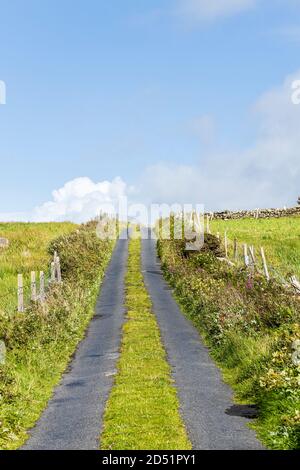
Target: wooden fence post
[235,249]
[207,224]
[252,254]
[226,244]
[246,257]
[262,251]
[53,274]
[58,270]
[20,294]
[42,286]
[33,286]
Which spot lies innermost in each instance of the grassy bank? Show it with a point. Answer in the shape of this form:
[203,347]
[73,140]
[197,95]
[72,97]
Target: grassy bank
[40,342]
[27,251]
[143,409]
[251,327]
[280,238]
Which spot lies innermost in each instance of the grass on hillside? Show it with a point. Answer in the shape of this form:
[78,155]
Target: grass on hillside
[41,341]
[27,252]
[143,410]
[280,238]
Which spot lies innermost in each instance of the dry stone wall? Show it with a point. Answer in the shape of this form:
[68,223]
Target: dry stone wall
[257,213]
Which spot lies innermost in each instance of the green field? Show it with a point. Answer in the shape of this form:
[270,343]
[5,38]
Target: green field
[279,237]
[27,252]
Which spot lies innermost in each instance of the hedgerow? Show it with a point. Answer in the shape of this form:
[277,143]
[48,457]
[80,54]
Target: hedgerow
[252,328]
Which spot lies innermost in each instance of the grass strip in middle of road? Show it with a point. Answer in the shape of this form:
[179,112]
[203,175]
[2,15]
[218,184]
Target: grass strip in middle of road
[142,412]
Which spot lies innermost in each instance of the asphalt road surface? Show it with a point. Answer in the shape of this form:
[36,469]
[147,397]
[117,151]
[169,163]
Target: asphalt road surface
[73,417]
[213,421]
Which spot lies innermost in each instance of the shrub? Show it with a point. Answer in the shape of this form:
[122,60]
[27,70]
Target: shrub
[250,325]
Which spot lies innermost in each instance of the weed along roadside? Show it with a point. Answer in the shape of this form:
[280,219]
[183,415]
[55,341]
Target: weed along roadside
[142,412]
[251,325]
[41,340]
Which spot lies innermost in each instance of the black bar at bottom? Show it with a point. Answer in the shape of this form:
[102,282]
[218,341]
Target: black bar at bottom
[138,459]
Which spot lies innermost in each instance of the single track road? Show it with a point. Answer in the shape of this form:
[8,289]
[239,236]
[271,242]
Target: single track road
[206,401]
[73,417]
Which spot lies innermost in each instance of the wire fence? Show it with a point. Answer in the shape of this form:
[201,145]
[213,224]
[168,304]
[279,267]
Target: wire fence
[30,288]
[255,259]
[235,253]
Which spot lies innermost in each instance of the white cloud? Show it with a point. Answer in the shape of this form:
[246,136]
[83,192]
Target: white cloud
[78,200]
[209,10]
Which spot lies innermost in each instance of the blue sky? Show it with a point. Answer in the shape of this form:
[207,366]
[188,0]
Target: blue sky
[178,99]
